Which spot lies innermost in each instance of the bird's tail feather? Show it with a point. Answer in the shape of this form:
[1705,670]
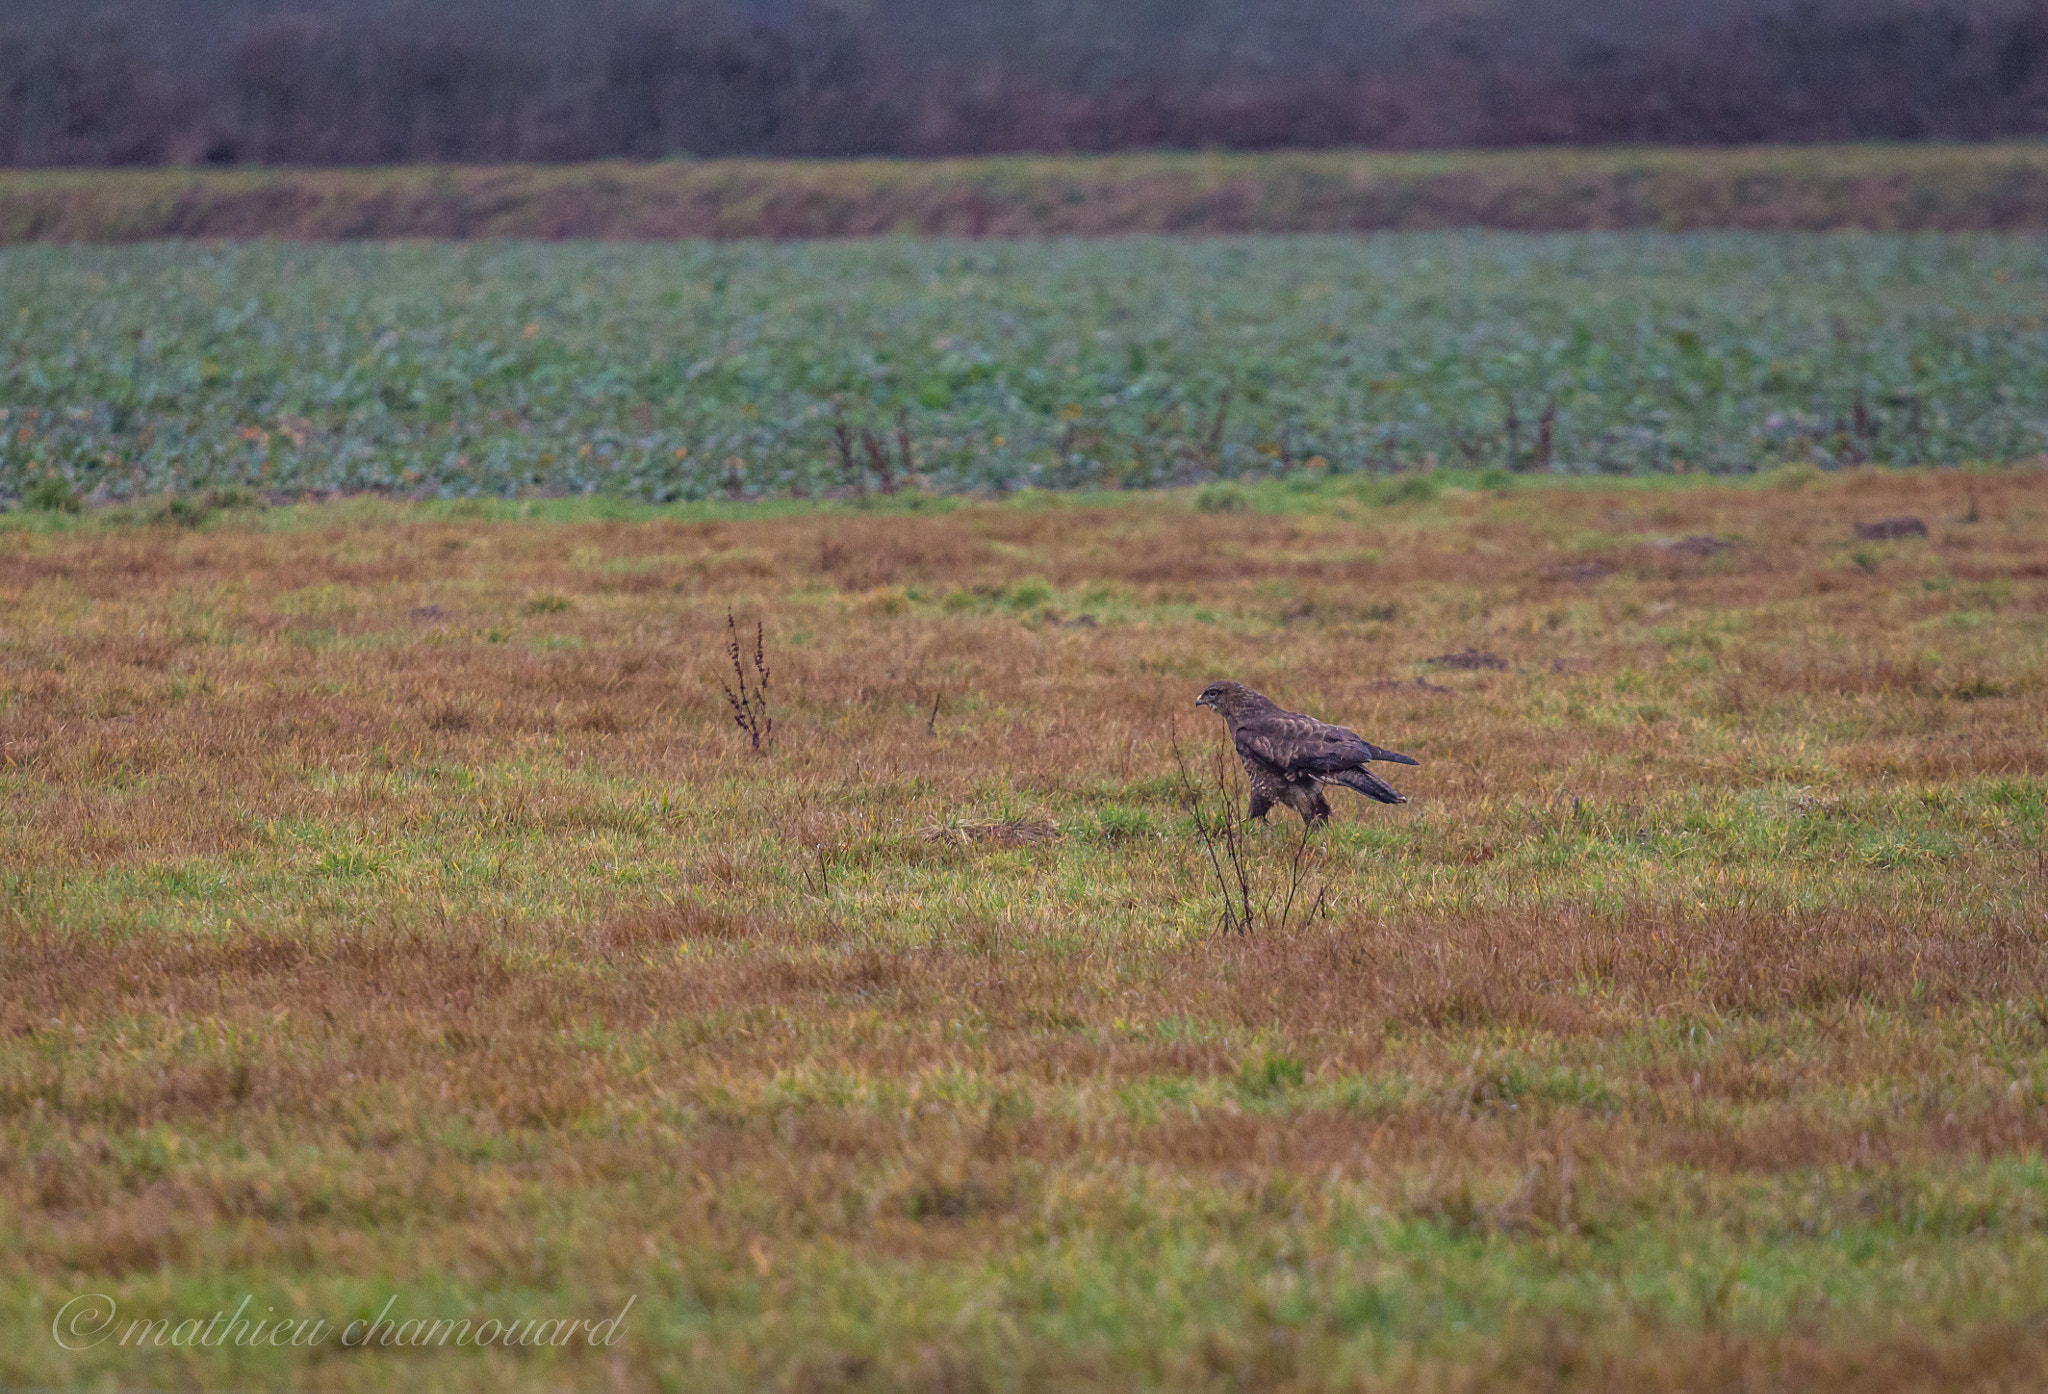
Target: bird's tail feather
[1392,756]
[1369,784]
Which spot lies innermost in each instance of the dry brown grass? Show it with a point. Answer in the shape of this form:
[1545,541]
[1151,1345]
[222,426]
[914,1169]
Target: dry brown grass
[372,928]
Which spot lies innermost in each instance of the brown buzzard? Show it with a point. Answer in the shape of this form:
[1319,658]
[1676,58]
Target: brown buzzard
[1289,757]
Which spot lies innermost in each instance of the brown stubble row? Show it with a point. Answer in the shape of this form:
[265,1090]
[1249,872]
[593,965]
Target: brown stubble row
[1354,996]
[1329,602]
[1811,188]
[589,938]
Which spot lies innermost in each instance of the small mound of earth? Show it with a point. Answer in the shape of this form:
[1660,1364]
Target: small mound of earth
[1468,661]
[1891,529]
[1698,545]
[997,832]
[1583,571]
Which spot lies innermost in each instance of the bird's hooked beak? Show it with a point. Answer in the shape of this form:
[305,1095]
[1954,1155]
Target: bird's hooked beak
[1205,701]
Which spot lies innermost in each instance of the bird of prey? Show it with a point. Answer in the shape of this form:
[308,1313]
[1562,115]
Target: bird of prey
[1290,758]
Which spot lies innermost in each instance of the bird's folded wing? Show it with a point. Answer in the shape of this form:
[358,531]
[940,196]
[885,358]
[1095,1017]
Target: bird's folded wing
[1296,744]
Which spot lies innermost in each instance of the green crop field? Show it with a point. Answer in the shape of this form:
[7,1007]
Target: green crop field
[683,372]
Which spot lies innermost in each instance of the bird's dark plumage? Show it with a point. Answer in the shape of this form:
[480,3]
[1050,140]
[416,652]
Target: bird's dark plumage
[1289,757]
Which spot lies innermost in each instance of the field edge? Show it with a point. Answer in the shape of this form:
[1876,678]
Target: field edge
[1867,187]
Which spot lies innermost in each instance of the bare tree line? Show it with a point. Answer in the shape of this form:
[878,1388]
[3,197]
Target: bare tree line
[325,82]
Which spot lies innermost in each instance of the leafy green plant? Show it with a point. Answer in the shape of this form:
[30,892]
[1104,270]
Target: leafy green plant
[1221,498]
[1029,594]
[1270,1076]
[52,493]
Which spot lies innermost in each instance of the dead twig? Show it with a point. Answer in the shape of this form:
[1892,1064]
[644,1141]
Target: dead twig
[824,888]
[1472,447]
[1388,460]
[1297,870]
[1222,414]
[842,440]
[1221,834]
[878,460]
[749,703]
[903,446]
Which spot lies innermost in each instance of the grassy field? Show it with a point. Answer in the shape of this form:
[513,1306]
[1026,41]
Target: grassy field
[1872,187]
[394,915]
[685,372]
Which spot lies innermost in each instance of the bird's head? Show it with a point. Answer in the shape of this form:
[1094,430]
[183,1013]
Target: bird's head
[1221,695]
